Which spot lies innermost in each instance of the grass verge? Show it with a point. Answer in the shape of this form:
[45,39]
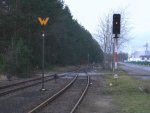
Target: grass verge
[129,94]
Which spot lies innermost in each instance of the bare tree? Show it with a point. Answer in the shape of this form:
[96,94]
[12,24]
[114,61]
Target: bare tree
[105,35]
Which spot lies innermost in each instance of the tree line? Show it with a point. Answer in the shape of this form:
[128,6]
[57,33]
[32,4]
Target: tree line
[66,41]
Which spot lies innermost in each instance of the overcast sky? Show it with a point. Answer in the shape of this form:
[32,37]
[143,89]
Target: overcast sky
[88,13]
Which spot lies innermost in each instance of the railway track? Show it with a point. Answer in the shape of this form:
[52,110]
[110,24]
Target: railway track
[24,100]
[61,98]
[7,89]
[18,83]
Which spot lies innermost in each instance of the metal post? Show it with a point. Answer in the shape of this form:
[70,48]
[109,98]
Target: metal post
[116,59]
[43,38]
[88,58]
[115,54]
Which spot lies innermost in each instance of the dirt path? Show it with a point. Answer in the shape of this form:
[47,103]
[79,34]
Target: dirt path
[96,101]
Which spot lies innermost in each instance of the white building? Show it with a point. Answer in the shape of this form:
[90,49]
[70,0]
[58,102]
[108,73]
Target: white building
[140,56]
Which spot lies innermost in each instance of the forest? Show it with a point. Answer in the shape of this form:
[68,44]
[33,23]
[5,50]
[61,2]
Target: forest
[66,41]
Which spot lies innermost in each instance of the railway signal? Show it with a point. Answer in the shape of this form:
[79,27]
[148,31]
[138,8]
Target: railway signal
[116,31]
[116,24]
[43,22]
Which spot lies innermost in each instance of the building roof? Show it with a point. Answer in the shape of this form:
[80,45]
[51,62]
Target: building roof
[145,56]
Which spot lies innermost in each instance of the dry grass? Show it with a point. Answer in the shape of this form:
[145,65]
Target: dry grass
[128,95]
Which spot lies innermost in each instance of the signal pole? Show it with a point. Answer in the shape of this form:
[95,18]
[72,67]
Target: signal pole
[116,58]
[88,58]
[43,46]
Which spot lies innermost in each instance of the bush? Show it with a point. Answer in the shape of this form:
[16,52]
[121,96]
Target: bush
[146,88]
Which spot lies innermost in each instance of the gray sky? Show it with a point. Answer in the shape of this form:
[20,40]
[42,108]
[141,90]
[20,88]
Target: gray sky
[88,13]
